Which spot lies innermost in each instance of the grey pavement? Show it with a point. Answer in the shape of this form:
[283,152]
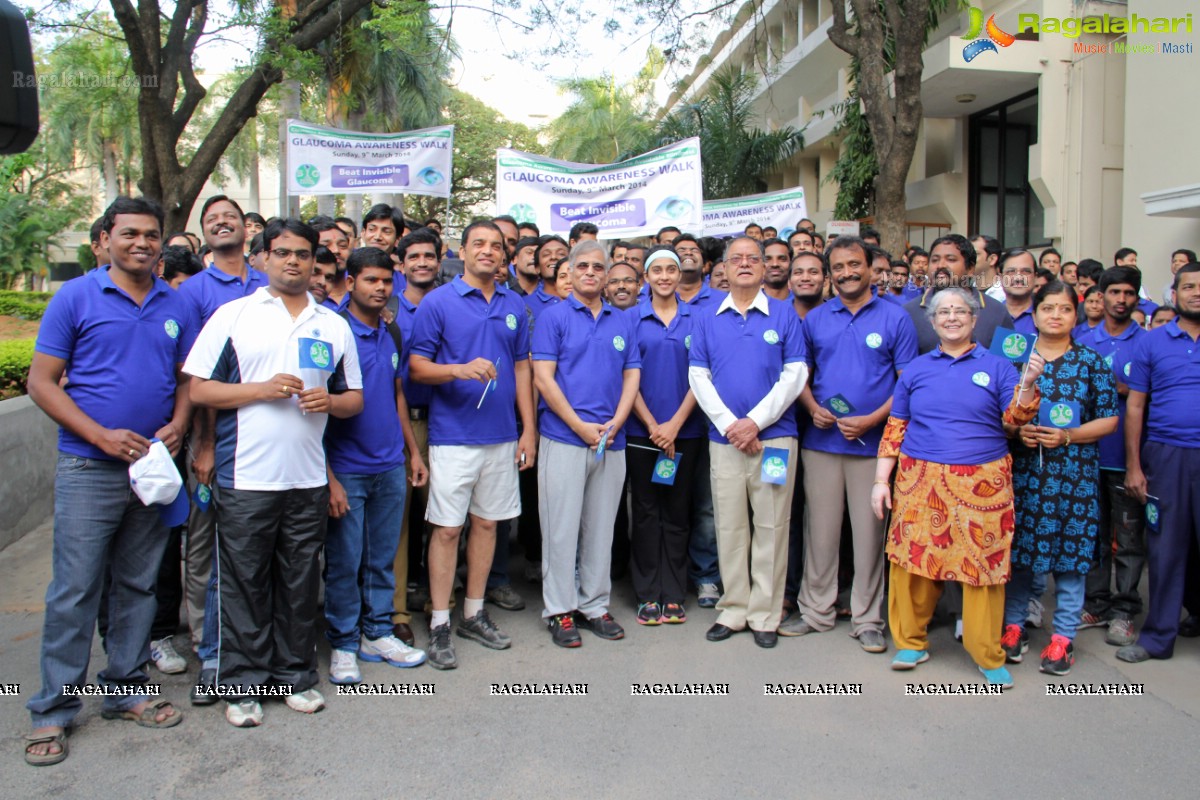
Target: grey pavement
[464,742]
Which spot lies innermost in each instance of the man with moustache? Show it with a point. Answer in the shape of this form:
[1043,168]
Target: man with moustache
[1017,270]
[525,266]
[123,390]
[586,366]
[334,238]
[857,344]
[635,256]
[1116,338]
[622,287]
[777,263]
[954,256]
[275,365]
[1164,382]
[746,368]
[510,231]
[692,289]
[324,269]
[801,242]
[228,278]
[418,254]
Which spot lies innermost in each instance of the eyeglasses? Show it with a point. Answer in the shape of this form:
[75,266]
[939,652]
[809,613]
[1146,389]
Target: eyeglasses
[284,254]
[738,261]
[587,266]
[622,281]
[947,313]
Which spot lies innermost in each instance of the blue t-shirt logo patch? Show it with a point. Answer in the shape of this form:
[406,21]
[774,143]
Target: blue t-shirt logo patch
[770,336]
[395,360]
[874,340]
[172,328]
[1128,364]
[687,342]
[619,343]
[981,379]
[511,322]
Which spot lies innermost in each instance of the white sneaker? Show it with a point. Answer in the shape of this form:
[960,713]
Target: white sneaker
[245,713]
[391,650]
[707,595]
[343,668]
[307,702]
[165,658]
[958,630]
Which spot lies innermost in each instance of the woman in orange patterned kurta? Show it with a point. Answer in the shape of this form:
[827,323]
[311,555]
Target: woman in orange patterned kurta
[952,518]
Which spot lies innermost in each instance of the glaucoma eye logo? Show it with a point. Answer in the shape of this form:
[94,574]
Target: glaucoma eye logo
[995,36]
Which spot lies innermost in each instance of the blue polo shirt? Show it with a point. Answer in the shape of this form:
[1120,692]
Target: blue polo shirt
[955,406]
[910,291]
[591,356]
[1117,352]
[1166,365]
[399,282]
[454,325]
[212,288]
[539,301]
[1023,323]
[856,356]
[417,395]
[337,307]
[1084,329]
[897,299]
[708,299]
[372,442]
[746,356]
[121,358]
[664,354]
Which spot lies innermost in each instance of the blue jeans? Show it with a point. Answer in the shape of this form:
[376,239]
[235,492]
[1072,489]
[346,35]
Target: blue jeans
[98,522]
[702,546]
[1068,598]
[360,550]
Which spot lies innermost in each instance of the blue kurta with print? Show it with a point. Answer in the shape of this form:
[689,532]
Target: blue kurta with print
[1058,498]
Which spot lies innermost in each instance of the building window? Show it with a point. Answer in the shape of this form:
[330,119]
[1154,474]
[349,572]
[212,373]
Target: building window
[1002,203]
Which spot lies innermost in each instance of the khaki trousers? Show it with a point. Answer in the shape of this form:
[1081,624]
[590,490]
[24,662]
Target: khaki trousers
[753,562]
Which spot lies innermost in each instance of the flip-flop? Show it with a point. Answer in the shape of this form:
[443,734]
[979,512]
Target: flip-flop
[46,759]
[148,717]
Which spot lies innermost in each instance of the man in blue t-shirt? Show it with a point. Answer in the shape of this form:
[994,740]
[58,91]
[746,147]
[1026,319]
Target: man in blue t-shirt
[122,333]
[365,455]
[747,369]
[1122,517]
[1164,471]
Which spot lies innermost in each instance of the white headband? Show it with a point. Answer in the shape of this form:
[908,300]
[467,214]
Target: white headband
[667,254]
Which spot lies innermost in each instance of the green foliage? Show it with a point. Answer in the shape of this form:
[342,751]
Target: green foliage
[736,156]
[15,357]
[14,304]
[28,229]
[478,130]
[85,257]
[856,167]
[605,123]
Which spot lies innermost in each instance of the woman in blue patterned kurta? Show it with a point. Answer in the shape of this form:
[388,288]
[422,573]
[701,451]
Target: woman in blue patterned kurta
[1056,480]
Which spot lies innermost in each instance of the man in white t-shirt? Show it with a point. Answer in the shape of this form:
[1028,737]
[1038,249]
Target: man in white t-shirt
[275,365]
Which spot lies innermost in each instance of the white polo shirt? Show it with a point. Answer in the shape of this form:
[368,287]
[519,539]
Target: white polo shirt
[272,445]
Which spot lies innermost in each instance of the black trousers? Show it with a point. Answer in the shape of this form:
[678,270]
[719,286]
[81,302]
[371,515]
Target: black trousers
[529,525]
[660,520]
[268,544]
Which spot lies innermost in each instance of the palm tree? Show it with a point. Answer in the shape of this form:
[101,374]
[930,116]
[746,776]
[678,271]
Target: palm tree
[735,156]
[605,122]
[96,122]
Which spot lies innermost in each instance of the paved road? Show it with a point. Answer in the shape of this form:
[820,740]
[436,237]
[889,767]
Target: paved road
[463,742]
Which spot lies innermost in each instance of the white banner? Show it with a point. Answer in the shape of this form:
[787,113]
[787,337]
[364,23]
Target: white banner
[632,198]
[332,161]
[780,210]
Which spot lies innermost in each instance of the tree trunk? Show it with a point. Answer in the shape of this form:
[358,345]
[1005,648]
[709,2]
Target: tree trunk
[254,200]
[290,109]
[354,202]
[112,179]
[397,201]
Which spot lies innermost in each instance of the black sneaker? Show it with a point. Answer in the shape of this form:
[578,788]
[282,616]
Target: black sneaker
[649,614]
[440,653]
[480,628]
[603,626]
[1014,643]
[1059,656]
[563,631]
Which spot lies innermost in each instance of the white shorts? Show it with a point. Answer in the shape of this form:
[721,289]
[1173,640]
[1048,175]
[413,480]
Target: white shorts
[478,479]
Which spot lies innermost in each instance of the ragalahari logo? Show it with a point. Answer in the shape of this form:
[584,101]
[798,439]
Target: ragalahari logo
[995,36]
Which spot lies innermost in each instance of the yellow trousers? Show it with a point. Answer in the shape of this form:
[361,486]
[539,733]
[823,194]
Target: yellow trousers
[912,599]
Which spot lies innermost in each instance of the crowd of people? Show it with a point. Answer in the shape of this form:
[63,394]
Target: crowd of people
[762,422]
